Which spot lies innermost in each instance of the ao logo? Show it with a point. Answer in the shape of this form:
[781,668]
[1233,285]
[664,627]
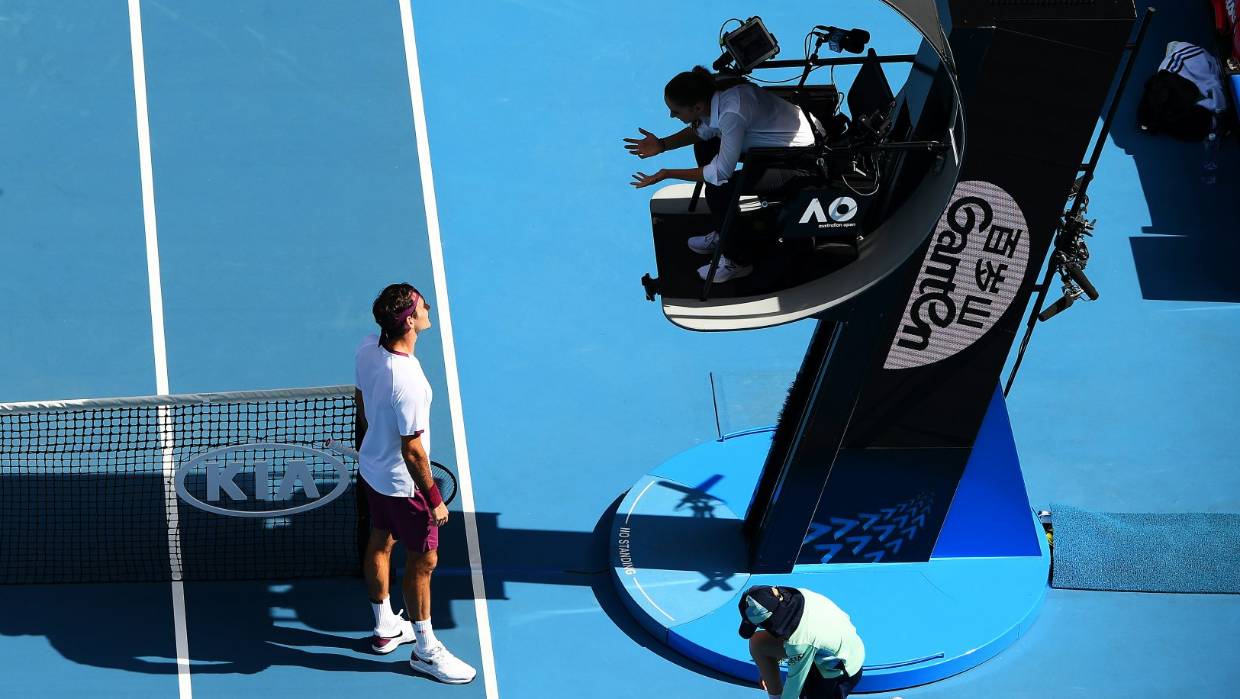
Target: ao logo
[222,465]
[842,210]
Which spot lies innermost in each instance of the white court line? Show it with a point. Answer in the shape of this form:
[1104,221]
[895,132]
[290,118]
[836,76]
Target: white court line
[160,349]
[449,352]
[637,500]
[637,582]
[650,600]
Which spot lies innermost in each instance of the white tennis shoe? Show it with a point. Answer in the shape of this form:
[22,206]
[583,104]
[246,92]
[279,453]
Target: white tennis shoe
[704,244]
[386,643]
[727,270]
[442,665]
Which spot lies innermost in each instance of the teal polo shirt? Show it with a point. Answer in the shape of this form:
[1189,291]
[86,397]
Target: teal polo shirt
[825,638]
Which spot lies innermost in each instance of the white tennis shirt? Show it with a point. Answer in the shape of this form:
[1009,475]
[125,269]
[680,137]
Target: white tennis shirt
[397,398]
[744,117]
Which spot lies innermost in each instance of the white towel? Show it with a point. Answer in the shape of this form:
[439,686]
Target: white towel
[1196,65]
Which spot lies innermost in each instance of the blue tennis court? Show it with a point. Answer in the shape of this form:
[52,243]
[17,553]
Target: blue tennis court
[222,222]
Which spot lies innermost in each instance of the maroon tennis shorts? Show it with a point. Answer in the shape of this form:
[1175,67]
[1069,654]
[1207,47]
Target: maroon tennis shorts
[408,519]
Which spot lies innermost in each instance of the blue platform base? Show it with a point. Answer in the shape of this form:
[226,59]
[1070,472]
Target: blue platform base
[679,559]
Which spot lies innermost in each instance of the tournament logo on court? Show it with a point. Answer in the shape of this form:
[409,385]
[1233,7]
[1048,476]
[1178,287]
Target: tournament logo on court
[972,272]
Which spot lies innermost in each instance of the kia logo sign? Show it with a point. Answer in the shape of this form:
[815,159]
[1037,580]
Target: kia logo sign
[276,473]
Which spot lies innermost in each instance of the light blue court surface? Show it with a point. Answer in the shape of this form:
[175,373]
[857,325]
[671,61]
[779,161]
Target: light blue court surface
[287,190]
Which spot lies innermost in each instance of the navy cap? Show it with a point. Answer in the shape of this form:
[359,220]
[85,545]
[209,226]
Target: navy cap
[756,606]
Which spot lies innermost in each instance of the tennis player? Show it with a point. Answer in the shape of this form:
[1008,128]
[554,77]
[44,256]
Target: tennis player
[816,637]
[393,429]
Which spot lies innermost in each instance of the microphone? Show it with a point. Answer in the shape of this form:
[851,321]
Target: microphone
[850,40]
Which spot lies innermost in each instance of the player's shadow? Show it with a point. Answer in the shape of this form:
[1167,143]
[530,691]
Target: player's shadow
[324,624]
[1188,251]
[234,627]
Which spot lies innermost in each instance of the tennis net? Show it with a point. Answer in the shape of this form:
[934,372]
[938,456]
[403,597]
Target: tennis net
[209,486]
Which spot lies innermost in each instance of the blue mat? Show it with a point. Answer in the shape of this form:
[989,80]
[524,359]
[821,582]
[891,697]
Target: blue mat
[1141,552]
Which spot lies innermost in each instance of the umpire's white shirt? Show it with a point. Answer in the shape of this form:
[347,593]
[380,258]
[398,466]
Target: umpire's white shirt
[744,117]
[397,399]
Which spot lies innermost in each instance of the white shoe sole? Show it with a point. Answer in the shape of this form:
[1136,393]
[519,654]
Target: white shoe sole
[422,669]
[722,277]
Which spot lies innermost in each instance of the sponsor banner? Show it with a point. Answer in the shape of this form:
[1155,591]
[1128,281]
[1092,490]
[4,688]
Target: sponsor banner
[262,480]
[972,272]
[830,212]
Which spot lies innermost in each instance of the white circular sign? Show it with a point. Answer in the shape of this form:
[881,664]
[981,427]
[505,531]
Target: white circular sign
[971,273]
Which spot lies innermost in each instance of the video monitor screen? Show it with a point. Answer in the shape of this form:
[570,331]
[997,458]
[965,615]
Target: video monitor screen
[750,44]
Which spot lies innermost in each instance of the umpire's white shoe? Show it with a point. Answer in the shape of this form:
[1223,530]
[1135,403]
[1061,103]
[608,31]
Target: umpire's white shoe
[727,270]
[704,244]
[442,665]
[386,643]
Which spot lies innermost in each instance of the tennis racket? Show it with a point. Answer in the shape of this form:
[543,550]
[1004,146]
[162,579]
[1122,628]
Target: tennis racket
[443,478]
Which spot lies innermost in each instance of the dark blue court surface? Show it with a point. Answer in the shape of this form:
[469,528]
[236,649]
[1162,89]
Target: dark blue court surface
[288,189]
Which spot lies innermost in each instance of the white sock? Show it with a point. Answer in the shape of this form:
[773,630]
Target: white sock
[385,619]
[774,696]
[424,635]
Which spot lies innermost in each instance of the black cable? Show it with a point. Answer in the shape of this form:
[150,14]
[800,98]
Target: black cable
[775,82]
[806,54]
[714,402]
[725,23]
